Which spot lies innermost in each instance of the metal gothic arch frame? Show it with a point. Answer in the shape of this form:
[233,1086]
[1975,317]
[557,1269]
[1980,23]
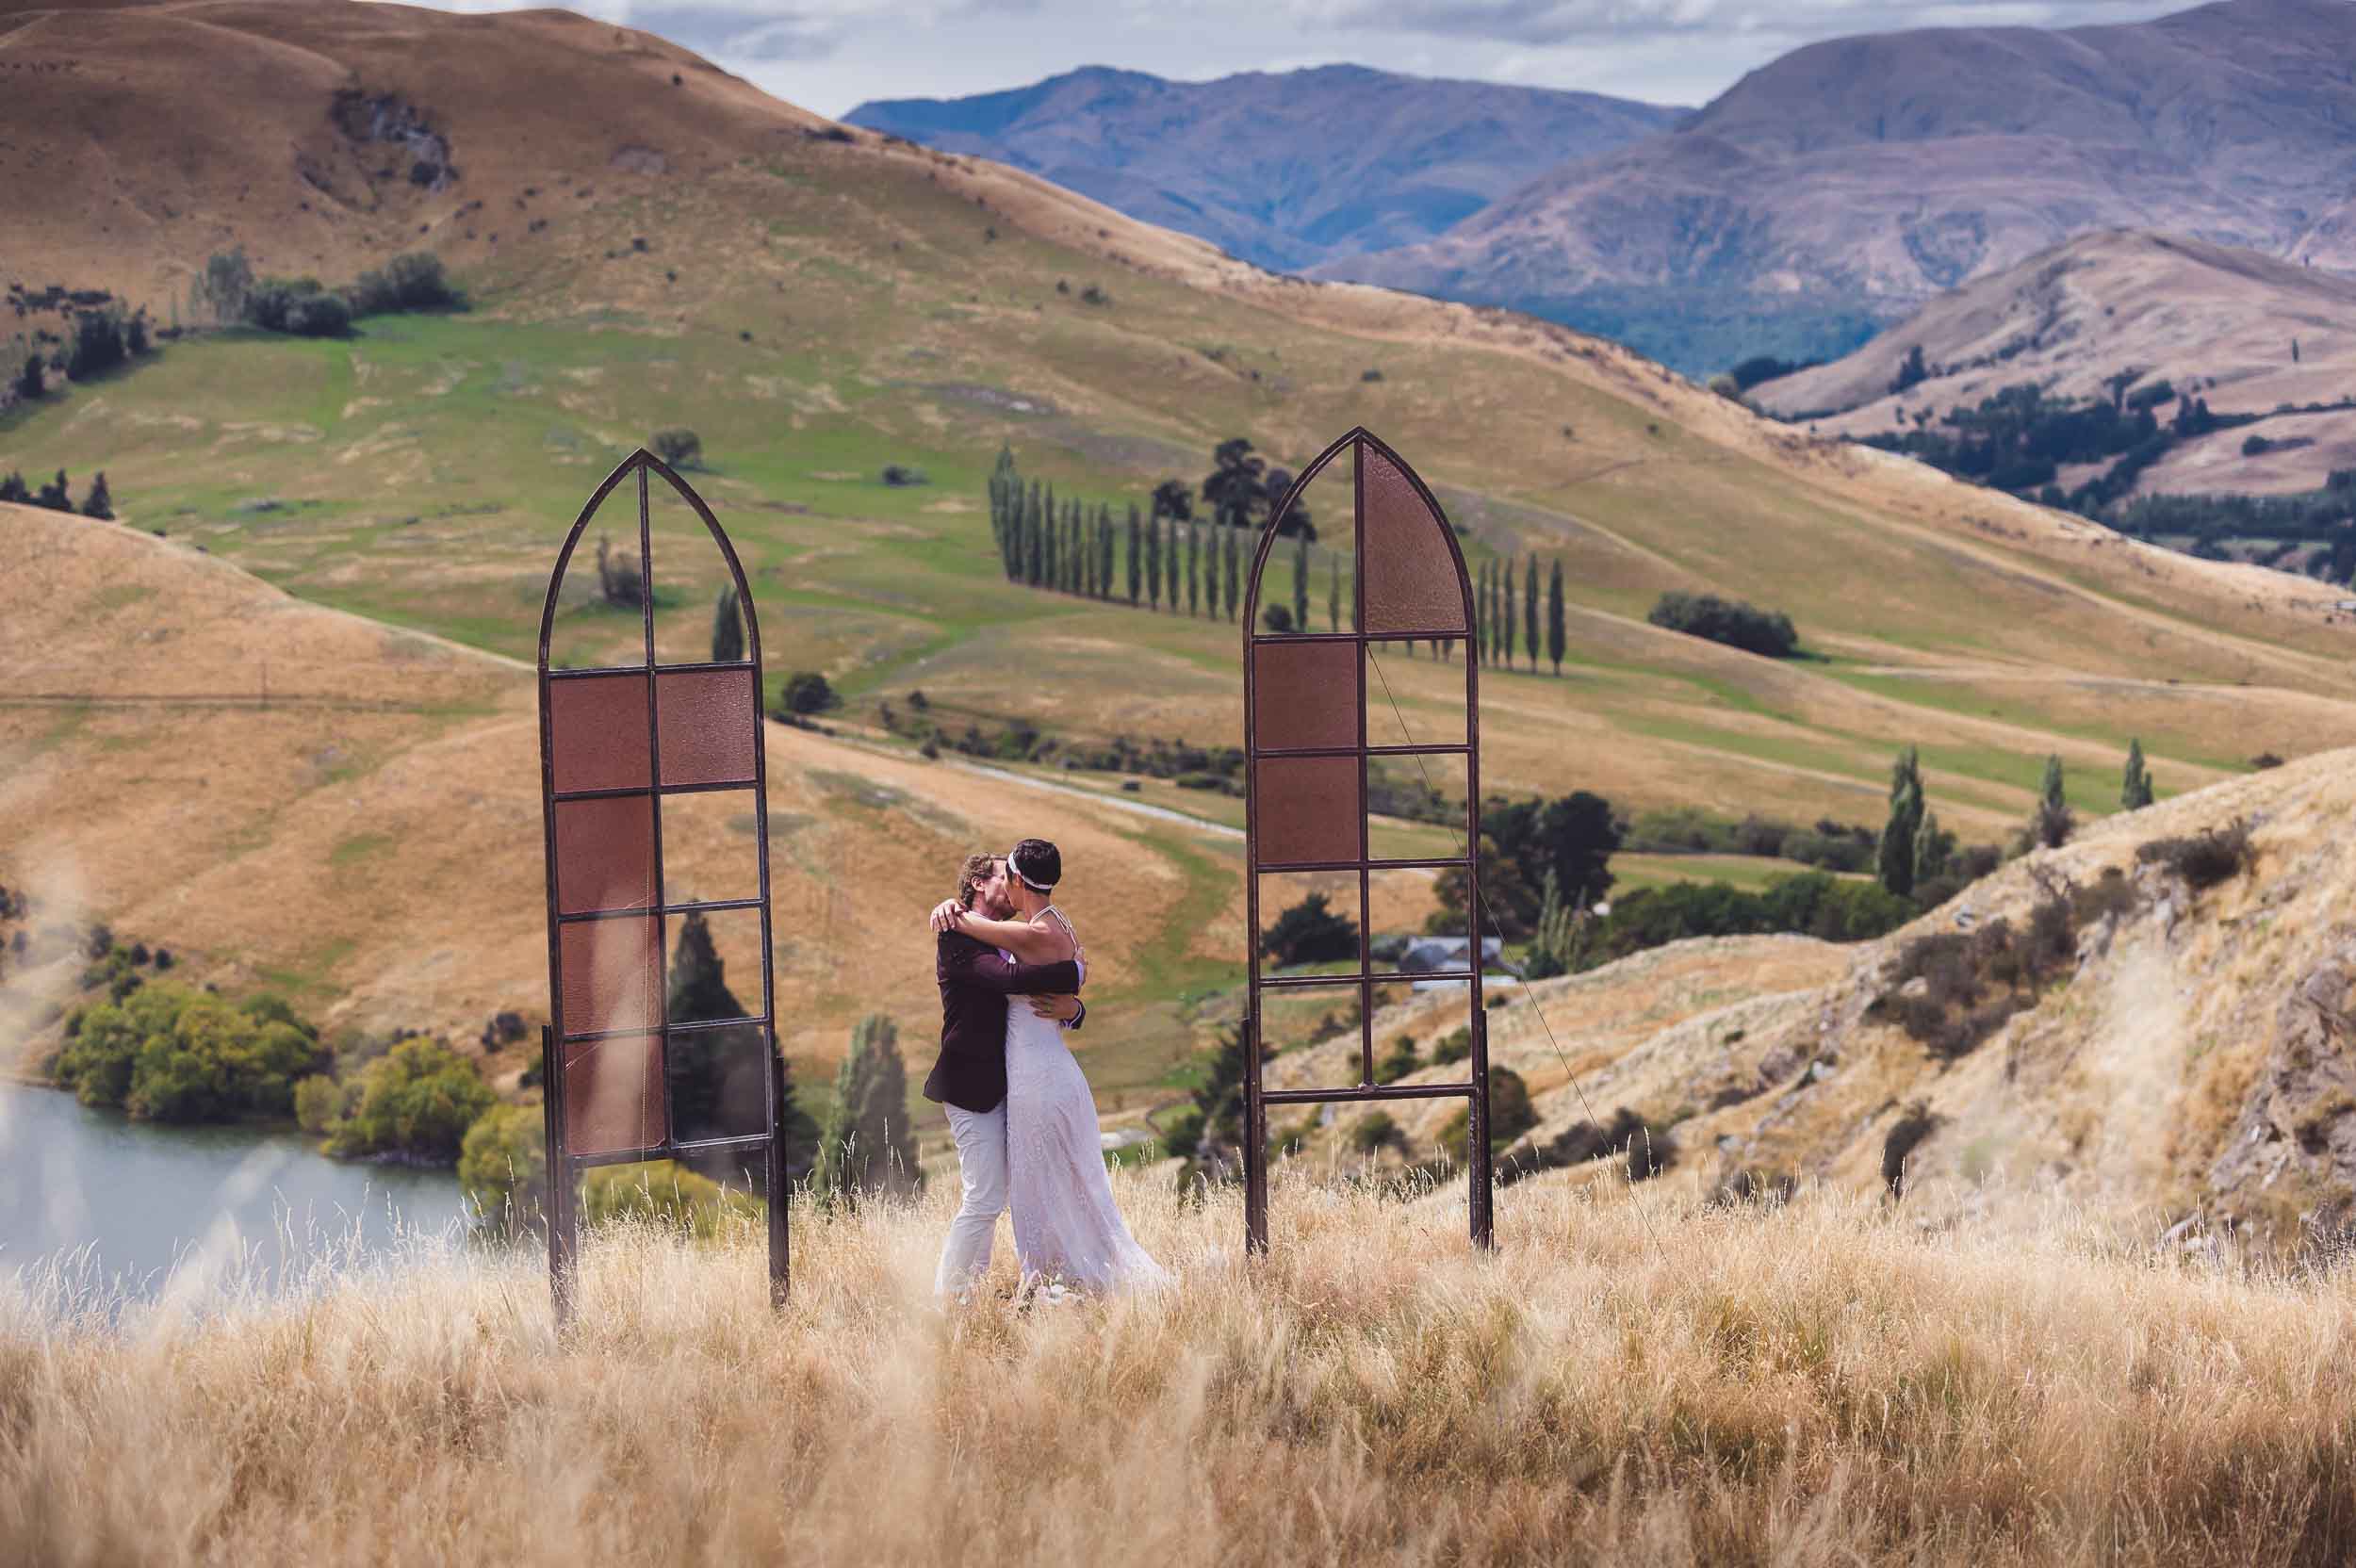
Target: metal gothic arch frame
[616,743]
[1307,747]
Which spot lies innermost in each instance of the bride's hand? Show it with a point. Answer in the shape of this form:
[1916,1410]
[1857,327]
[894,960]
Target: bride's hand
[947,914]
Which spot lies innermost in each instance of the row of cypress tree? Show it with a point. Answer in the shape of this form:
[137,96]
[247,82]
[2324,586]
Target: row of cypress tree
[1198,570]
[1915,850]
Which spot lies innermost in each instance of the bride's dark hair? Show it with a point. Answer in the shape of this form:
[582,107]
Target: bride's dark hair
[1038,863]
[977,869]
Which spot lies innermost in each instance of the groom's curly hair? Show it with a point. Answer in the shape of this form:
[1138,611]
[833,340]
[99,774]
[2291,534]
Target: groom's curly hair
[977,869]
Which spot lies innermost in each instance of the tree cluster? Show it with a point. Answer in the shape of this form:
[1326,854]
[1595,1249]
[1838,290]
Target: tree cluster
[165,1052]
[868,1146]
[99,503]
[1769,633]
[230,291]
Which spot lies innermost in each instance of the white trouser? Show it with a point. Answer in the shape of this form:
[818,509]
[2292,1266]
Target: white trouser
[982,1162]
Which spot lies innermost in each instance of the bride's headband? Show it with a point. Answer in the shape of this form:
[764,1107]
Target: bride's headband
[1025,879]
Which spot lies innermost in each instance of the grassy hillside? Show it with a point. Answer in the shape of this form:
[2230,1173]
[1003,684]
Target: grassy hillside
[1626,1380]
[816,308]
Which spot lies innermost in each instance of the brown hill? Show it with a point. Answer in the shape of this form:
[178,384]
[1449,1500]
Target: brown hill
[2185,1058]
[2211,319]
[294,797]
[1877,171]
[1281,169]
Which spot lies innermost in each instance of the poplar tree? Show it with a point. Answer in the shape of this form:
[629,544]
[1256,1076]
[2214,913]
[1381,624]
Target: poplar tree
[1505,611]
[728,628]
[1556,636]
[868,1144]
[1137,566]
[1108,550]
[1234,571]
[1170,563]
[1300,582]
[1049,519]
[100,502]
[1153,561]
[1529,610]
[1029,547]
[2053,821]
[1194,571]
[2134,788]
[1894,860]
[1930,850]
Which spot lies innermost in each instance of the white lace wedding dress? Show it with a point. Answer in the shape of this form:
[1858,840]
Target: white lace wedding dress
[1067,1231]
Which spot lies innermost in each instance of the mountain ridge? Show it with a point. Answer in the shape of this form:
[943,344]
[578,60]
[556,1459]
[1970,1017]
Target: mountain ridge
[1362,158]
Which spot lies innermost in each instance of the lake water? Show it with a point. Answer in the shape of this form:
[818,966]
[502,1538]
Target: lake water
[146,1200]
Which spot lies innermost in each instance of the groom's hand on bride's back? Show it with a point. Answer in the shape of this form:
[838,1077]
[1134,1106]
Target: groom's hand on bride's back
[1063,1009]
[946,914]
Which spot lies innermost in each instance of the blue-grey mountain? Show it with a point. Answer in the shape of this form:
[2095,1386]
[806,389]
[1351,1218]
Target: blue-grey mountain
[1283,170]
[1849,181]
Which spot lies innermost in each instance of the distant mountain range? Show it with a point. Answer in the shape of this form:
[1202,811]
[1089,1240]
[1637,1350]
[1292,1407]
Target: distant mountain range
[1819,198]
[1285,170]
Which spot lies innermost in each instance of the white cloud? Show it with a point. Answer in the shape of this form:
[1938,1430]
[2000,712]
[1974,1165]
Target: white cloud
[831,55]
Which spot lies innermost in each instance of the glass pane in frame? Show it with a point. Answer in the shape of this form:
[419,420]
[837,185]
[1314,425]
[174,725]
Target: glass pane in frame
[1415,806]
[716,967]
[609,973]
[1308,809]
[1304,695]
[1415,694]
[605,854]
[598,736]
[717,1081]
[710,853]
[612,1094]
[1310,923]
[709,722]
[1410,928]
[1412,582]
[1422,1032]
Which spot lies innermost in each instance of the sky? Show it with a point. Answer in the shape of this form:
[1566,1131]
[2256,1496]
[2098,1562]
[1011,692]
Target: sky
[831,55]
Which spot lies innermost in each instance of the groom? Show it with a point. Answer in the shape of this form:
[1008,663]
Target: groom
[970,1079]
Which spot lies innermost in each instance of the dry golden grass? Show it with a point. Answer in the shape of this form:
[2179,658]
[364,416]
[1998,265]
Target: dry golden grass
[1815,1383]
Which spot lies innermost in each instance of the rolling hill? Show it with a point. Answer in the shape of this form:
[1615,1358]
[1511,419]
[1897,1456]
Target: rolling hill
[1869,173]
[1281,169]
[2208,319]
[818,302]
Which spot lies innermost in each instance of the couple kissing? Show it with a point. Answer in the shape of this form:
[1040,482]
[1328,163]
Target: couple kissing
[1018,1103]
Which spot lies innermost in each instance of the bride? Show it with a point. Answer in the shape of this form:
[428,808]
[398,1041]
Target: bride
[1067,1232]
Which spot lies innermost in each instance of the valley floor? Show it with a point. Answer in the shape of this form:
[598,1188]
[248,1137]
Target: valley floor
[1629,1378]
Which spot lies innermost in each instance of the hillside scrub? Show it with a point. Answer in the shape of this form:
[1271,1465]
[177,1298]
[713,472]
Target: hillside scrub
[1627,1378]
[1768,633]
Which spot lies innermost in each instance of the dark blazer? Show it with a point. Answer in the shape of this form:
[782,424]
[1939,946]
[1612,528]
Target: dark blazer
[975,981]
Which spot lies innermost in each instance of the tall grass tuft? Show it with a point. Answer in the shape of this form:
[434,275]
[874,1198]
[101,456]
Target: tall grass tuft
[1810,1381]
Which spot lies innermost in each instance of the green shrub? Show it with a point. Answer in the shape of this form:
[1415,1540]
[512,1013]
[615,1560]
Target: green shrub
[417,1100]
[504,1165]
[1310,933]
[678,447]
[1399,1061]
[2205,859]
[319,1103]
[413,281]
[807,691]
[660,1193]
[1454,1046]
[1770,634]
[1373,1131]
[1511,1115]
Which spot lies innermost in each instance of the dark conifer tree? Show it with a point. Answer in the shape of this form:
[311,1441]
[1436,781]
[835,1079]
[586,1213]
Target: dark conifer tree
[1300,582]
[1557,635]
[1235,573]
[1505,613]
[1194,570]
[1135,564]
[13,489]
[1529,610]
[53,495]
[1153,561]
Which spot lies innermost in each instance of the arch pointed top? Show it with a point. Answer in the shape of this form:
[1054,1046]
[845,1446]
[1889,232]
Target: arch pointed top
[642,462]
[1408,573]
